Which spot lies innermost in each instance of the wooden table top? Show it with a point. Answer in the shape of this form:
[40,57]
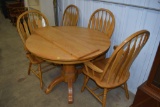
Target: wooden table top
[67,44]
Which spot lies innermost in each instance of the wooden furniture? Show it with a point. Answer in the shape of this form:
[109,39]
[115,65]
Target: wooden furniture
[70,16]
[13,9]
[113,72]
[14,13]
[5,4]
[148,94]
[73,45]
[26,23]
[102,20]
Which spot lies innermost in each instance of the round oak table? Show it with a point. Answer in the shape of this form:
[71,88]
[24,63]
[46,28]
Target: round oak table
[67,45]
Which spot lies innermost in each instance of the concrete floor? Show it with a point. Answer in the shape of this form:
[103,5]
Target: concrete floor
[17,89]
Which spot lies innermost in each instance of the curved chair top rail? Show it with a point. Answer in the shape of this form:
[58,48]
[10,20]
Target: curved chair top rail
[70,16]
[102,20]
[28,21]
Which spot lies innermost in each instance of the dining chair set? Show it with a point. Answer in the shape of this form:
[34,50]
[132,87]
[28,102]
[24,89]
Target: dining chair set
[107,73]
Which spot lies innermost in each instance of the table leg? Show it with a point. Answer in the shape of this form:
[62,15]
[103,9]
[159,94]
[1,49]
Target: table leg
[54,83]
[69,75]
[70,92]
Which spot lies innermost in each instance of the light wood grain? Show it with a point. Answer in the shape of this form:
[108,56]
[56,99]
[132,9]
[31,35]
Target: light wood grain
[27,22]
[102,20]
[114,72]
[71,43]
[70,16]
[67,45]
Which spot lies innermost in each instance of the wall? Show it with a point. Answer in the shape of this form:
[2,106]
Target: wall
[146,3]
[128,20]
[46,7]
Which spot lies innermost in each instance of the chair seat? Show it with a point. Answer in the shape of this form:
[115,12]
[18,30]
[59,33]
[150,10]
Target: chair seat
[110,85]
[101,64]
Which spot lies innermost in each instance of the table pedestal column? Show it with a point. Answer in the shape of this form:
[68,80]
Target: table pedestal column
[69,75]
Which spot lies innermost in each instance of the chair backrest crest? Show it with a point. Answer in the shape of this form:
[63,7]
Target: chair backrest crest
[102,20]
[70,16]
[28,21]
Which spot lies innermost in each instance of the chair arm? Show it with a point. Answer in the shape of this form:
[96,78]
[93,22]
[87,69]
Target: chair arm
[93,67]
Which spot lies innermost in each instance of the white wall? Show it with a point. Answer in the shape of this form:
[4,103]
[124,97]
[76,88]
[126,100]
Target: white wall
[46,7]
[128,20]
[146,3]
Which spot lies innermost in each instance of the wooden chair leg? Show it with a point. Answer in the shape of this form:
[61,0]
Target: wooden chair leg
[104,98]
[126,90]
[86,78]
[40,75]
[29,68]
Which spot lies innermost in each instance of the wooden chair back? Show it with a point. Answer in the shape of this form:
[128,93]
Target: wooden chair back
[28,21]
[116,70]
[70,16]
[102,20]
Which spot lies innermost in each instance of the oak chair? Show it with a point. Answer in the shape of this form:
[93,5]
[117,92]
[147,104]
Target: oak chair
[26,23]
[70,16]
[102,20]
[113,72]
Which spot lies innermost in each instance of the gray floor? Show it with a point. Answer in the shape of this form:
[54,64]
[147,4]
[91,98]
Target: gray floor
[17,89]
